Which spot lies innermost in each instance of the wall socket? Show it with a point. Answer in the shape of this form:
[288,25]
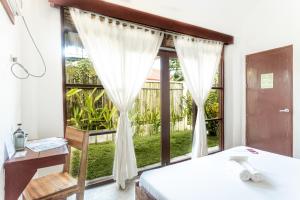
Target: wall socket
[13,58]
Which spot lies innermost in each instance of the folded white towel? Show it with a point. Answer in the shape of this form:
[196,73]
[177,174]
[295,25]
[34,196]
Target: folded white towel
[256,176]
[243,173]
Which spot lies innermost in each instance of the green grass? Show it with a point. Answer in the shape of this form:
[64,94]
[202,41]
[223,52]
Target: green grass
[147,150]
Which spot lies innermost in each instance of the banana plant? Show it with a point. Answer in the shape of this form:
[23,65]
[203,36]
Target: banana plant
[152,116]
[92,113]
[86,114]
[109,115]
[77,117]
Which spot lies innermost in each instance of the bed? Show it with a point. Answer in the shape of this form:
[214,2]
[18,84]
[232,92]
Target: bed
[212,178]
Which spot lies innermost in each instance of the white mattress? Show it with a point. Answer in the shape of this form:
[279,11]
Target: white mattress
[212,178]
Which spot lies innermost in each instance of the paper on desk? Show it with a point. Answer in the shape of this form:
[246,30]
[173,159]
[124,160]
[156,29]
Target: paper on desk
[46,144]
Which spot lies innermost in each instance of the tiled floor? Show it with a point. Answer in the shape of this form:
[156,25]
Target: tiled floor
[109,192]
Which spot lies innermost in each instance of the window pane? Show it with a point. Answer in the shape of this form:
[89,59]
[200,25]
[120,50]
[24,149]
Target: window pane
[213,104]
[181,104]
[145,117]
[78,67]
[90,109]
[214,129]
[81,71]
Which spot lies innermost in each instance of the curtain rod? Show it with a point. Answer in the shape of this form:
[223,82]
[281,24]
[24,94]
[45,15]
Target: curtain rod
[120,20]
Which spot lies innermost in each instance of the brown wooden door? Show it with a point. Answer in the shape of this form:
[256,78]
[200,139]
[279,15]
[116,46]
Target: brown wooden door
[269,100]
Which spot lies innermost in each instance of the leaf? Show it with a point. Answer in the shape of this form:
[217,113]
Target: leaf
[72,92]
[91,94]
[99,96]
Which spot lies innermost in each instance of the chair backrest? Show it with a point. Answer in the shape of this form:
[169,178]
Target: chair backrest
[78,139]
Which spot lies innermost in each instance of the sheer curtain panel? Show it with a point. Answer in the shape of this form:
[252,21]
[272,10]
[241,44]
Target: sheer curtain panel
[199,59]
[122,55]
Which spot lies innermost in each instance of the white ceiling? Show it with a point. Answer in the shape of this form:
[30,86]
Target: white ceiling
[220,15]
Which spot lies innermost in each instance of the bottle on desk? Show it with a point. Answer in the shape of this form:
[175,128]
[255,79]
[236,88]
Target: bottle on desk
[19,139]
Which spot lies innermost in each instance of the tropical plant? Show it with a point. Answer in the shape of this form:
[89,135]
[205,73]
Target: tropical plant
[212,111]
[137,118]
[77,118]
[175,70]
[175,117]
[87,114]
[188,107]
[81,71]
[92,113]
[109,114]
[152,116]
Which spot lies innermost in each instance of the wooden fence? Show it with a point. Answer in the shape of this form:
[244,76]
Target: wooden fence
[145,113]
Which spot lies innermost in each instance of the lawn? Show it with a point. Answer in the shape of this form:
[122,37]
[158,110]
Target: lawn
[147,150]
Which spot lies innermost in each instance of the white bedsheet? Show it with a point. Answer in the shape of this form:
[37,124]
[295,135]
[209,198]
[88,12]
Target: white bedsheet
[217,181]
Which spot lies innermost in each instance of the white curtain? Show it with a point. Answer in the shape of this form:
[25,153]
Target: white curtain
[122,55]
[199,60]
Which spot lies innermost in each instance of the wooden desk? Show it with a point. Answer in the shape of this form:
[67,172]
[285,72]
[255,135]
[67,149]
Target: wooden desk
[19,171]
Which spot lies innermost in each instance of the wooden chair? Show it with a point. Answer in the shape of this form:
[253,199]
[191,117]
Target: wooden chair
[61,185]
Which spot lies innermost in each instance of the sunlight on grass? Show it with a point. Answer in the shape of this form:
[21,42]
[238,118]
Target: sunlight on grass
[147,150]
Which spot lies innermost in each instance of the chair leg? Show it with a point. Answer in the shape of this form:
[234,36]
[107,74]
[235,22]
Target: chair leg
[80,195]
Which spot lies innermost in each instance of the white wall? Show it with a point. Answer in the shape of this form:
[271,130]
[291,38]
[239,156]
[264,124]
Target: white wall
[9,87]
[42,103]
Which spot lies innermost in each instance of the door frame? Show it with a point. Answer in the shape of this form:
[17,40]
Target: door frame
[291,90]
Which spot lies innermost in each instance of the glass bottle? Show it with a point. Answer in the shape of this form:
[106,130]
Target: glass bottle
[19,139]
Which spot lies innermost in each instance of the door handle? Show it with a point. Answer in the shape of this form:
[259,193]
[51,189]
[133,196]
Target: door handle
[286,110]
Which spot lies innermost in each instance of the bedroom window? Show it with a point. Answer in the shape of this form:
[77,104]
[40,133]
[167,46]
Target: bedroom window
[163,115]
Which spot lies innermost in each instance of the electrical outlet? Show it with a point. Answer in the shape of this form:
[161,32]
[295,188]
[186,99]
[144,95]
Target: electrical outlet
[13,58]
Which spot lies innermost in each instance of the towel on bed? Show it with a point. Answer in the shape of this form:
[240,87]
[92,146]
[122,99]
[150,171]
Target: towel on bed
[241,171]
[256,176]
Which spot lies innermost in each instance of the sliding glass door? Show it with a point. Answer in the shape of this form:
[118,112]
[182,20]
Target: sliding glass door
[162,116]
[178,113]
